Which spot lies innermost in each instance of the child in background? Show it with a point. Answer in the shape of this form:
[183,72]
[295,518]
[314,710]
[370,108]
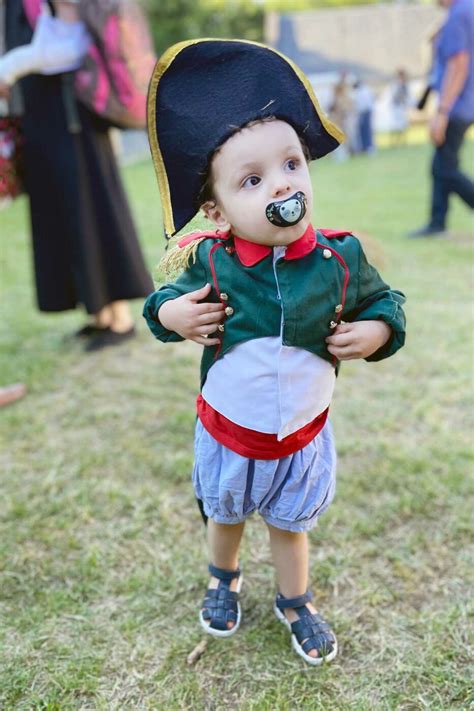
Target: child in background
[276,303]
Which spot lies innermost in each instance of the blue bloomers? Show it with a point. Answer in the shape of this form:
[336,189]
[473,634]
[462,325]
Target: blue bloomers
[289,493]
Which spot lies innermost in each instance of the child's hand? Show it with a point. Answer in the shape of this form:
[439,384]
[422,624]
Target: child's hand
[358,340]
[190,319]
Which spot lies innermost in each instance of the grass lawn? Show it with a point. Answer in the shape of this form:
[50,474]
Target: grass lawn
[102,551]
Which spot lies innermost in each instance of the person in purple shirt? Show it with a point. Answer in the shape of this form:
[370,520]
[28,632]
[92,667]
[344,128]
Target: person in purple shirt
[453,79]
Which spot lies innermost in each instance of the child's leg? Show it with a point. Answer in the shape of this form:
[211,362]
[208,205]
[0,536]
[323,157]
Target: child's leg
[290,557]
[224,543]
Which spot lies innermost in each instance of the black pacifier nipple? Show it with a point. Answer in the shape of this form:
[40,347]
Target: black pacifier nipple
[288,212]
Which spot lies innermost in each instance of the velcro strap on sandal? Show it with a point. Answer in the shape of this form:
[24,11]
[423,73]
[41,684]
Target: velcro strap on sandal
[284,602]
[222,574]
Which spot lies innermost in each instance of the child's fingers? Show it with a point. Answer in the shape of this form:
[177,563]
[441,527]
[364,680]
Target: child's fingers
[346,353]
[208,308]
[212,317]
[205,341]
[205,329]
[199,293]
[340,339]
[344,328]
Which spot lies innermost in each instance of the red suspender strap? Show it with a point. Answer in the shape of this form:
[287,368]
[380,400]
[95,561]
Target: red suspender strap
[337,317]
[215,246]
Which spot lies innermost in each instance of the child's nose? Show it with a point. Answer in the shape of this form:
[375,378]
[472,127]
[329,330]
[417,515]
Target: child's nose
[281,187]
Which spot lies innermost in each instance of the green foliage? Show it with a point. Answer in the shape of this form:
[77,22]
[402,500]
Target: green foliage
[177,20]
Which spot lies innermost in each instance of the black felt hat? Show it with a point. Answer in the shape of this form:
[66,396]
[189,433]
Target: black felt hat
[201,92]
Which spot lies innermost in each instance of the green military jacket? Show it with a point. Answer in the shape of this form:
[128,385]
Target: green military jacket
[303,299]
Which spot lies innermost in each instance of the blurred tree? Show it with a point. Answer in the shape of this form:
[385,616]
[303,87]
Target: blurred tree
[177,20]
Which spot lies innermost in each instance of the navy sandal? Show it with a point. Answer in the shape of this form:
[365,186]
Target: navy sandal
[310,631]
[221,605]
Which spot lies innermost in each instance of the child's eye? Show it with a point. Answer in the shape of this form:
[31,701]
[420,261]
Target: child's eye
[292,164]
[251,181]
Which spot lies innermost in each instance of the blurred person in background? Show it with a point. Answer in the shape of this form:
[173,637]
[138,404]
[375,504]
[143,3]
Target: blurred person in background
[453,79]
[85,245]
[342,112]
[364,104]
[400,101]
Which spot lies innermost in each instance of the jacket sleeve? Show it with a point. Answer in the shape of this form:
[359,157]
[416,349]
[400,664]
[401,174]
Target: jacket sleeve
[194,277]
[377,301]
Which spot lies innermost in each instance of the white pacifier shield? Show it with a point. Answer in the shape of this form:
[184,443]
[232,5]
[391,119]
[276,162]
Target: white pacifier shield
[291,210]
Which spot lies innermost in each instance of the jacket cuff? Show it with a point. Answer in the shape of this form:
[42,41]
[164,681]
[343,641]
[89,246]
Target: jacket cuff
[150,313]
[395,318]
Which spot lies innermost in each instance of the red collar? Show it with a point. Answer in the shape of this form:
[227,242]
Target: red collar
[251,253]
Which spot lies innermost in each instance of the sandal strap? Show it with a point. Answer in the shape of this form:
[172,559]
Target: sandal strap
[218,619]
[221,595]
[223,574]
[284,602]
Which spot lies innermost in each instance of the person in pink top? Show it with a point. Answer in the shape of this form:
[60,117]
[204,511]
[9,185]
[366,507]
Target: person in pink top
[85,246]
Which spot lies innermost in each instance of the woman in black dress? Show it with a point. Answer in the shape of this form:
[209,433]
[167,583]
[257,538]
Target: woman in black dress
[85,245]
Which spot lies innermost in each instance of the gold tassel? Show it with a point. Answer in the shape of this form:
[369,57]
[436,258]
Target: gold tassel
[176,258]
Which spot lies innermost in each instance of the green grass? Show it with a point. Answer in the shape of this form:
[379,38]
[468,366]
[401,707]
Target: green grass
[102,552]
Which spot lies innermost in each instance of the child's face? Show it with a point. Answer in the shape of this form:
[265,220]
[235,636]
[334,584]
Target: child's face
[261,164]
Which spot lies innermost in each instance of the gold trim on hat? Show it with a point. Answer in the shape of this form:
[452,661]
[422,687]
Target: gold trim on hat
[166,59]
[161,66]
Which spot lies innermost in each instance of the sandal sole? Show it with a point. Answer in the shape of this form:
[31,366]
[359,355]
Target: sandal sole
[314,661]
[224,633]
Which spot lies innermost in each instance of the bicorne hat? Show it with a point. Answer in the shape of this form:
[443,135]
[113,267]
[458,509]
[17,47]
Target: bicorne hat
[201,92]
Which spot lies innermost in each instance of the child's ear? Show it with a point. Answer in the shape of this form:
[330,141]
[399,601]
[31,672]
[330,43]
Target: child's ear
[213,212]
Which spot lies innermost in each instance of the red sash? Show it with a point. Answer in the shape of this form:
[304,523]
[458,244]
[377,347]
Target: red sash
[252,444]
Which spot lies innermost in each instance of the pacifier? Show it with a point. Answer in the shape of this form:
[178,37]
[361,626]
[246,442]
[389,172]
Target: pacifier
[288,212]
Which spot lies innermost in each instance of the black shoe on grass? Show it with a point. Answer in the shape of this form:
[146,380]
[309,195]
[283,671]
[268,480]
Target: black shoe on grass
[109,338]
[427,231]
[89,330]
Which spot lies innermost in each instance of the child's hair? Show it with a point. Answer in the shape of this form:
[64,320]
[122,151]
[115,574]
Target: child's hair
[206,194]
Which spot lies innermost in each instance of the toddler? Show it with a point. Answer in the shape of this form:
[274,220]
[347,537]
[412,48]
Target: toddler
[275,303]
